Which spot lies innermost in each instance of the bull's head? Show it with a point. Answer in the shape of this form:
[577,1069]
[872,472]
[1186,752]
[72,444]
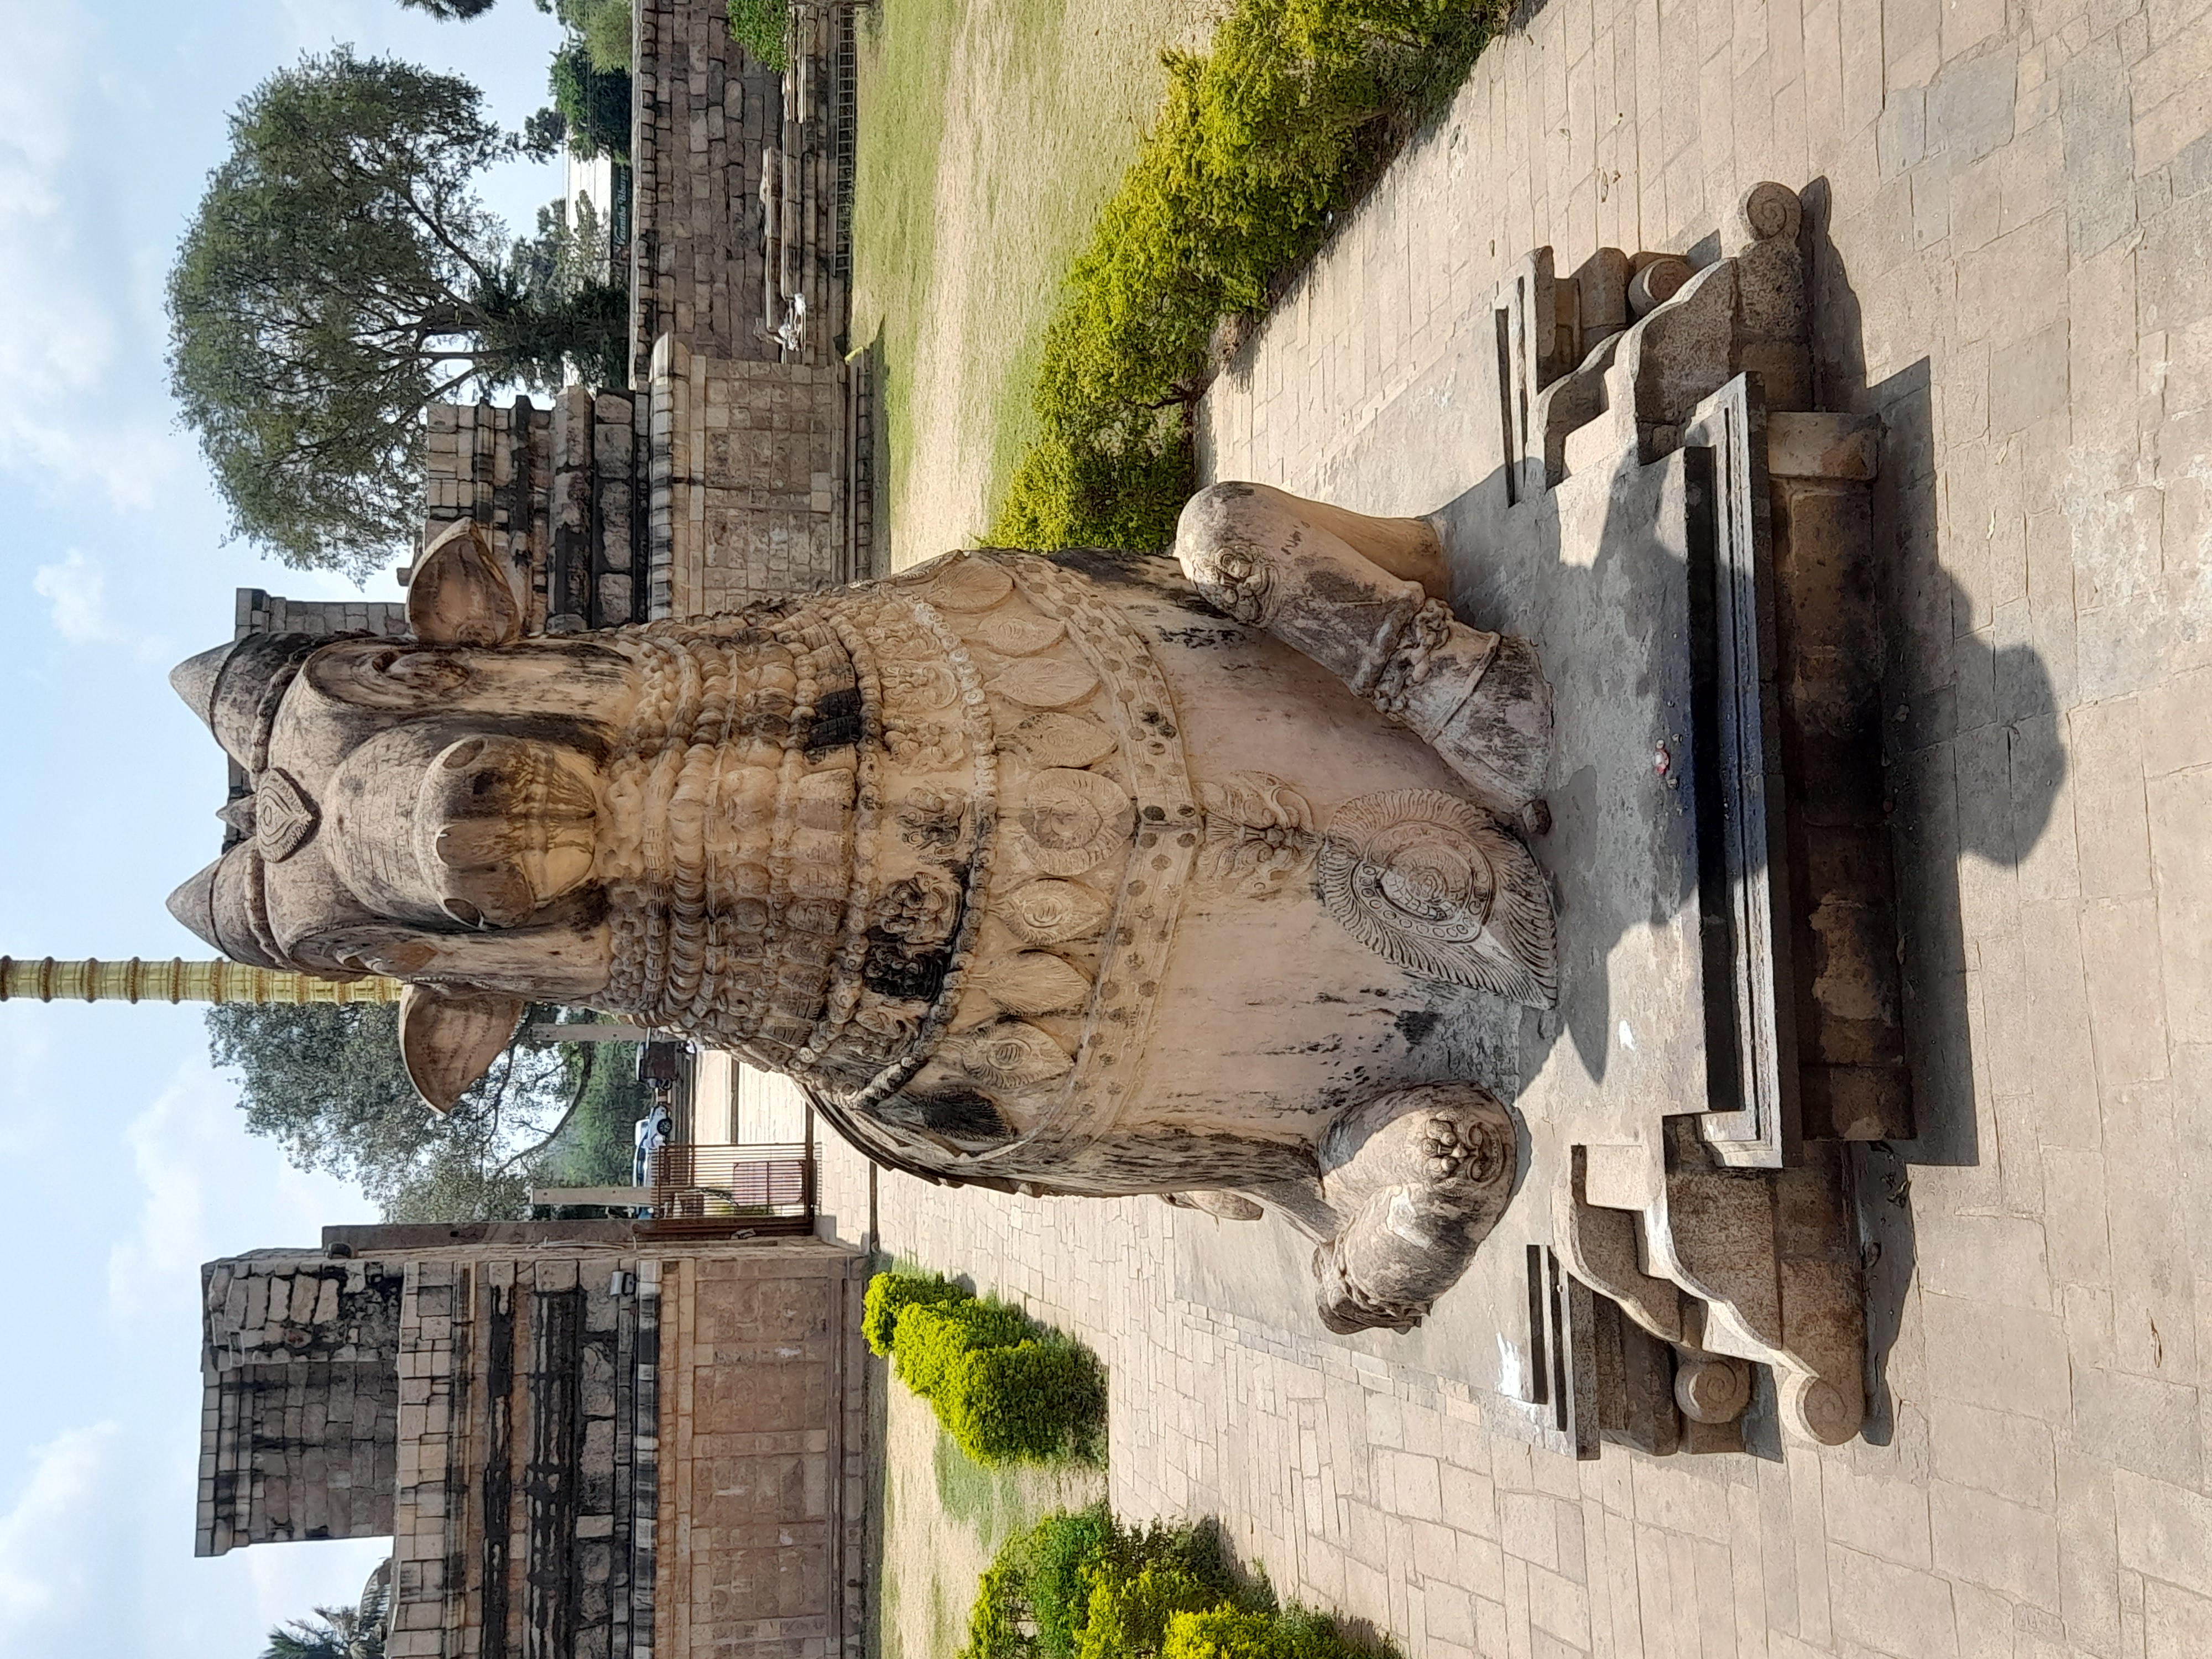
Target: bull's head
[428,809]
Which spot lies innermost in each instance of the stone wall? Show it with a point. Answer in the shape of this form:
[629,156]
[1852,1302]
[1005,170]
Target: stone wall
[494,464]
[515,1514]
[746,502]
[734,190]
[597,514]
[756,429]
[263,613]
[496,1404]
[298,1429]
[761,1469]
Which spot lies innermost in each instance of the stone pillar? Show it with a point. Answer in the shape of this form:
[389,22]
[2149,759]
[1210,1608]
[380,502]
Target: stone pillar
[89,979]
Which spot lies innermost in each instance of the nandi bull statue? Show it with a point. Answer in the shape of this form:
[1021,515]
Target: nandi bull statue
[1076,874]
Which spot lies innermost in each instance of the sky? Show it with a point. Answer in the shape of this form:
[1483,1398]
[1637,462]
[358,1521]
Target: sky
[123,1151]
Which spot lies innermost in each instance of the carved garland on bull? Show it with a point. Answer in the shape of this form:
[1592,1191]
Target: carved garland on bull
[925,845]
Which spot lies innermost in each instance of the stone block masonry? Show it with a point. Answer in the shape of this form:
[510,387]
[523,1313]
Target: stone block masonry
[597,514]
[261,612]
[763,1473]
[734,181]
[298,1429]
[750,421]
[494,464]
[580,1446]
[746,503]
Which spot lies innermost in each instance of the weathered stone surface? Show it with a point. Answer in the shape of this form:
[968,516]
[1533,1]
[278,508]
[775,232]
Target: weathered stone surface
[977,854]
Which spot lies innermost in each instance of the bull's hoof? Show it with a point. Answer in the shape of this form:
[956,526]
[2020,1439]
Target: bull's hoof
[1420,1176]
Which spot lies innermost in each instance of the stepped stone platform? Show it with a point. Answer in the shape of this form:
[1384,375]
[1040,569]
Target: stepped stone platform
[2005,210]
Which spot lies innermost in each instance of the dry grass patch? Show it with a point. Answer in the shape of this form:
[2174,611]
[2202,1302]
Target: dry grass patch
[991,133]
[943,1518]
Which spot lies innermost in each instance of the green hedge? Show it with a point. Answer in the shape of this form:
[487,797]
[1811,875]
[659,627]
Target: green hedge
[1030,1403]
[1296,109]
[889,1294]
[1083,1586]
[1006,1389]
[935,1340]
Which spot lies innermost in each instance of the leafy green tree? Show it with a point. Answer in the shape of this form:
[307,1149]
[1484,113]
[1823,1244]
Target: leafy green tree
[326,1081]
[758,27]
[340,273]
[332,1633]
[604,26]
[543,134]
[594,102]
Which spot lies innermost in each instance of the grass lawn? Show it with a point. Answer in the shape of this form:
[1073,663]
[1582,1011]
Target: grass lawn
[940,1517]
[990,131]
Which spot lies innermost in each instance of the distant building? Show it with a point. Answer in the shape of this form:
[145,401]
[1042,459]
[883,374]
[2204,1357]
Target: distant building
[581,1443]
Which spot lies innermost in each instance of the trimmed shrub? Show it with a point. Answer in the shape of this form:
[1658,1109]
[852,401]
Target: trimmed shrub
[1060,1547]
[1083,1586]
[1028,1403]
[1297,106]
[1223,1633]
[888,1294]
[1129,1614]
[1006,1390]
[1233,1633]
[935,1340]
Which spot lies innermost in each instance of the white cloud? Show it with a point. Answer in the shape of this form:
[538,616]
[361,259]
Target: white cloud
[68,306]
[75,592]
[50,1539]
[76,589]
[209,1189]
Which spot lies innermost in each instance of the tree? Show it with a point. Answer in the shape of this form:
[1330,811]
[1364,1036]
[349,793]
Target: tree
[543,134]
[604,26]
[594,102]
[326,1081]
[332,1633]
[339,274]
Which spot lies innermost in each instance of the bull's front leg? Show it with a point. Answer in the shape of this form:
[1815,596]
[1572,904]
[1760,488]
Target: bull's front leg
[1418,1177]
[1364,597]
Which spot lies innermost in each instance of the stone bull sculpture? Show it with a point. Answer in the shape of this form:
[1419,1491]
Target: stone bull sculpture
[1075,874]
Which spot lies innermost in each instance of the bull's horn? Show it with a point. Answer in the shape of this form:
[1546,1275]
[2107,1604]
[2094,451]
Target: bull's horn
[193,902]
[449,1037]
[236,688]
[194,680]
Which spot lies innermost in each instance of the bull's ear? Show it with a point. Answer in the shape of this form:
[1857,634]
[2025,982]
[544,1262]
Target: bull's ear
[449,1037]
[458,596]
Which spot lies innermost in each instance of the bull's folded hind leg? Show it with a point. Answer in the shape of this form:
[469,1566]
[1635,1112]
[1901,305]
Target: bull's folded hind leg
[1364,597]
[1417,1177]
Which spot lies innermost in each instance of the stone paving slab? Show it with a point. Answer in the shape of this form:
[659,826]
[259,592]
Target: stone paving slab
[2012,202]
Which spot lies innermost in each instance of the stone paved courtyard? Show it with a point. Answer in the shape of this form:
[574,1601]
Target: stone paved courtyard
[2011,207]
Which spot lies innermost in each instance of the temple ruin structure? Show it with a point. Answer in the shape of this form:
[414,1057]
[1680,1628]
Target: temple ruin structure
[580,1442]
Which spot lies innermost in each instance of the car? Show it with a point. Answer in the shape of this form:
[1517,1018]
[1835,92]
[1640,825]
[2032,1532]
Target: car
[654,1130]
